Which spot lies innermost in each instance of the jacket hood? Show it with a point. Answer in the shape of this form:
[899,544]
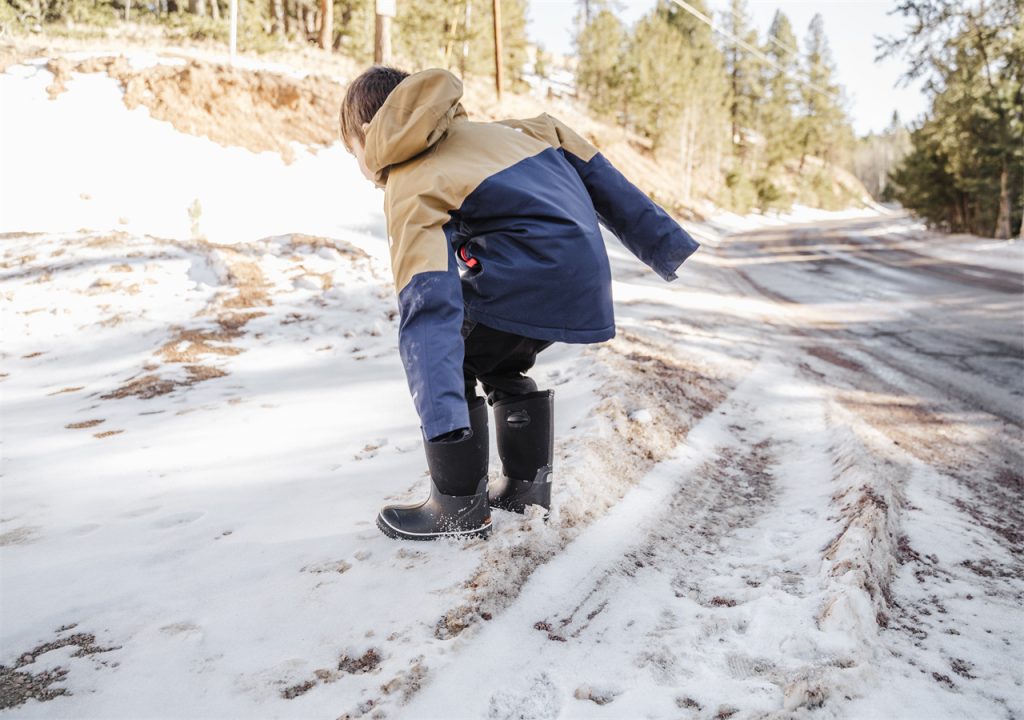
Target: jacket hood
[416,114]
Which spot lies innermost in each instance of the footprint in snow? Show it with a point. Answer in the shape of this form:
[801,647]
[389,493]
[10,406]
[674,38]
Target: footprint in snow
[541,701]
[598,696]
[139,512]
[85,529]
[370,449]
[182,629]
[330,566]
[743,666]
[177,519]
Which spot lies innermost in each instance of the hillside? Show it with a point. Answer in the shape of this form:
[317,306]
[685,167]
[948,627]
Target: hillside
[267,102]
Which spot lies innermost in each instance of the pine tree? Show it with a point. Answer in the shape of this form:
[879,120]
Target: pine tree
[822,125]
[600,47]
[973,61]
[656,63]
[431,33]
[674,91]
[778,119]
[513,40]
[421,31]
[924,184]
[745,75]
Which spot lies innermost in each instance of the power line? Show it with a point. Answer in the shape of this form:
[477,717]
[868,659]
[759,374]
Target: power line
[791,50]
[744,44]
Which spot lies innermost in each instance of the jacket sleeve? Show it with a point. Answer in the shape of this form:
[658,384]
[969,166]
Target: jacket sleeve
[637,221]
[430,309]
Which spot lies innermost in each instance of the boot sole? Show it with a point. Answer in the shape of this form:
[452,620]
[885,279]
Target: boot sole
[391,531]
[520,508]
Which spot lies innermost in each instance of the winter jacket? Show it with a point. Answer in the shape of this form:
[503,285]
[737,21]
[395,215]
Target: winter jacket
[498,223]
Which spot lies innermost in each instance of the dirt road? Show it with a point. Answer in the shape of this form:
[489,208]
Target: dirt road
[926,349]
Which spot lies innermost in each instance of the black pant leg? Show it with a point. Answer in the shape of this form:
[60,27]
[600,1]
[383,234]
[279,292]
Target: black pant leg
[499,360]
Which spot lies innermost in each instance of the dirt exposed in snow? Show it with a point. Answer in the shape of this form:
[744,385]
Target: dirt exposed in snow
[597,469]
[257,110]
[245,287]
[20,683]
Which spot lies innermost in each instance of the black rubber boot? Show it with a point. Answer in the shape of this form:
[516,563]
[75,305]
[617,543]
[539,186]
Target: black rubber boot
[457,505]
[525,428]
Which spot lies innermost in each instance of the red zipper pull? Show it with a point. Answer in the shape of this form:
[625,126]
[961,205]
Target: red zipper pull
[471,262]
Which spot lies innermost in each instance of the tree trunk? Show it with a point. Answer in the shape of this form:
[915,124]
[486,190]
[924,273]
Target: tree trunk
[215,9]
[326,24]
[496,6]
[686,137]
[1003,219]
[449,45]
[464,60]
[277,15]
[197,7]
[308,21]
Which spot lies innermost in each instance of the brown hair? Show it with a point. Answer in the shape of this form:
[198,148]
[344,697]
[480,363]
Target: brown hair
[364,97]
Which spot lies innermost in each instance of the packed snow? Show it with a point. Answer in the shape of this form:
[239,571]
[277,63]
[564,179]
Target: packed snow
[763,507]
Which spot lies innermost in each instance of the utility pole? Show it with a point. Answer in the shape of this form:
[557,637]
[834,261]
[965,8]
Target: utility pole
[327,24]
[386,9]
[497,47]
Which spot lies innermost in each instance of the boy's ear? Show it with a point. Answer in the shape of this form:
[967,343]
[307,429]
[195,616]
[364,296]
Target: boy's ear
[365,126]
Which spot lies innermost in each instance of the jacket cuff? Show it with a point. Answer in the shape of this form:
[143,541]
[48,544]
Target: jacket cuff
[440,425]
[676,256]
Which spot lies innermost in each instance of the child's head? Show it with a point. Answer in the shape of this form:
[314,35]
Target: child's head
[362,101]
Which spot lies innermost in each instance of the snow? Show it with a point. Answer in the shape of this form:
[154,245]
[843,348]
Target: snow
[732,534]
[644,613]
[114,168]
[725,222]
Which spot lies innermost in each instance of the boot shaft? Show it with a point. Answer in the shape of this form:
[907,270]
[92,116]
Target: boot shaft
[524,426]
[457,467]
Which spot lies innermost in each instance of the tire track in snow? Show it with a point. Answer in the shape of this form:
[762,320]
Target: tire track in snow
[924,372]
[674,598]
[605,455]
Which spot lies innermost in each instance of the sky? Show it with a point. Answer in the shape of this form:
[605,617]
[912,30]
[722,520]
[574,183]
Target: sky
[851,27]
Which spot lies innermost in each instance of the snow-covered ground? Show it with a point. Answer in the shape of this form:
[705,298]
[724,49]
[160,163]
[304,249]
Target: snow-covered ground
[763,506]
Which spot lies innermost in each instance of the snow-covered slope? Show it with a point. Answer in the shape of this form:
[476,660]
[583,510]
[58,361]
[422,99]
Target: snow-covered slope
[203,409]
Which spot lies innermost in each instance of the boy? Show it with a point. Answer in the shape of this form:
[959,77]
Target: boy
[496,254]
